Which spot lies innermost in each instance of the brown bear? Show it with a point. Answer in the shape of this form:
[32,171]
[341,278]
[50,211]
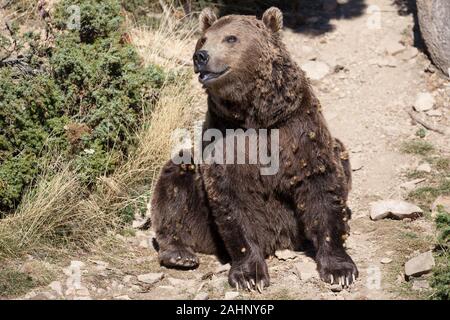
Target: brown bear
[234,211]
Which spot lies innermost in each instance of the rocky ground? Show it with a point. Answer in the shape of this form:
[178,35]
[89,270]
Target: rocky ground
[368,77]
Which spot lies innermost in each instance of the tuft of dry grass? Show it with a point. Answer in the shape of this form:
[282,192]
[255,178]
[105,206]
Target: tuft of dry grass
[51,216]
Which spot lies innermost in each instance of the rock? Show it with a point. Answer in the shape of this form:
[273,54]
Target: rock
[124,297]
[222,268]
[306,270]
[336,288]
[315,70]
[389,61]
[442,203]
[420,285]
[434,113]
[201,296]
[150,278]
[356,164]
[419,265]
[409,53]
[127,279]
[57,287]
[231,295]
[410,185]
[285,255]
[386,260]
[424,101]
[393,47]
[424,167]
[397,209]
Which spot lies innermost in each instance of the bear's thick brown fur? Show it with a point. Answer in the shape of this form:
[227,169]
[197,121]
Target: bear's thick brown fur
[233,210]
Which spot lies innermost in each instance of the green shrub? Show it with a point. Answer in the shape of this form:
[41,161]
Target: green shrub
[84,101]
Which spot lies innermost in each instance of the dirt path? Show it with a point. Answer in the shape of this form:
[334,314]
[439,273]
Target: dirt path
[364,97]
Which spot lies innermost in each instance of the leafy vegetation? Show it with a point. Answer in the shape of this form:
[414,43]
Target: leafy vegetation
[438,184]
[83,99]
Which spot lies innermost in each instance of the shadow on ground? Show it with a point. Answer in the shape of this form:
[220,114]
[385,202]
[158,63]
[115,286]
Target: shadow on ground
[305,16]
[406,7]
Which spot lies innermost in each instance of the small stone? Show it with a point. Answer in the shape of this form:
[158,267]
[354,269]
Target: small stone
[124,297]
[315,70]
[419,265]
[150,278]
[424,167]
[201,296]
[306,270]
[410,185]
[409,53]
[285,255]
[442,203]
[434,113]
[336,288]
[231,295]
[424,101]
[222,268]
[393,47]
[386,260]
[356,164]
[396,209]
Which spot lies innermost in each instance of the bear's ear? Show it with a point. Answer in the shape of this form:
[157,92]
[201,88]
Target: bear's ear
[273,19]
[207,18]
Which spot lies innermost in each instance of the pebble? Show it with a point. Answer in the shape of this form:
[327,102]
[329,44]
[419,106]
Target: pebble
[397,209]
[424,101]
[315,70]
[410,185]
[419,265]
[336,288]
[124,297]
[442,203]
[386,260]
[231,295]
[150,278]
[201,296]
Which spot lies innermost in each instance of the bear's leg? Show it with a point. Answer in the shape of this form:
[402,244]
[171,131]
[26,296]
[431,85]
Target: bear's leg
[239,210]
[181,217]
[324,214]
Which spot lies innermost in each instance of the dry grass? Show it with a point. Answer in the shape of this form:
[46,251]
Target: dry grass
[51,216]
[60,213]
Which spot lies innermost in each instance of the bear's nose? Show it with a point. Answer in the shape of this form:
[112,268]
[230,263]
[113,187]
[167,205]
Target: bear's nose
[201,58]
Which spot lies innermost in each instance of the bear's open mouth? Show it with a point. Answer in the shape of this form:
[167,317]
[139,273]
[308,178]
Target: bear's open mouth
[206,76]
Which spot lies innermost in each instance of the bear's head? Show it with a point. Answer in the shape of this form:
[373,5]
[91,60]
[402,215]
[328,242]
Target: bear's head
[235,51]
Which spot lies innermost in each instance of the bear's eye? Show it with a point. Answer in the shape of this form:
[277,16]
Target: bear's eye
[231,39]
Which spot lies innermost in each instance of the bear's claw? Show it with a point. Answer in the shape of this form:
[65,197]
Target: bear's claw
[249,275]
[337,269]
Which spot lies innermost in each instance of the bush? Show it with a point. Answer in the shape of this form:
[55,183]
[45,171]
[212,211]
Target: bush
[84,101]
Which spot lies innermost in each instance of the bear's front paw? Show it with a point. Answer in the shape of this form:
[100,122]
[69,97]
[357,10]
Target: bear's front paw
[337,268]
[249,274]
[179,258]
